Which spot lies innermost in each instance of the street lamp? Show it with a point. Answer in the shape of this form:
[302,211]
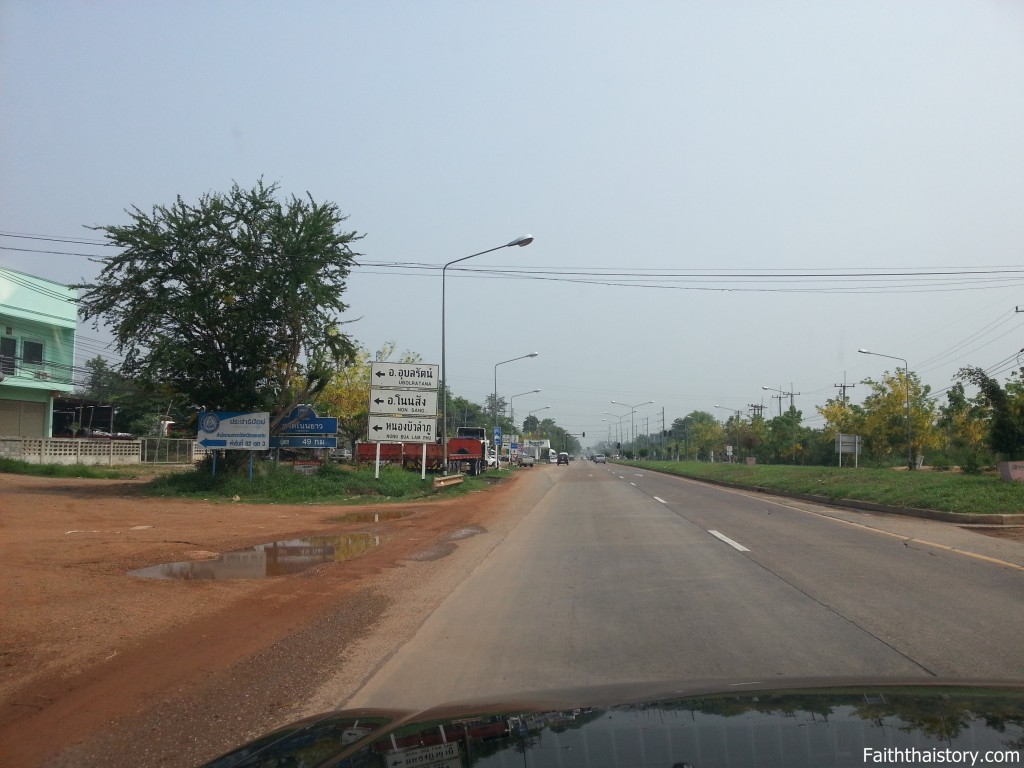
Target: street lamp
[535,410]
[782,393]
[521,357]
[519,241]
[620,418]
[906,376]
[511,410]
[736,424]
[632,426]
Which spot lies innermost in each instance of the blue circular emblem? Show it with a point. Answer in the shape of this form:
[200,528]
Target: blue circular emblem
[209,422]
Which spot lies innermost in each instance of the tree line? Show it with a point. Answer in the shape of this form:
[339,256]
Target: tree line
[234,303]
[892,424]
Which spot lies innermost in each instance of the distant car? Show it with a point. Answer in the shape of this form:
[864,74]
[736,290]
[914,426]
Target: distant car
[600,458]
[525,460]
[552,458]
[563,458]
[341,454]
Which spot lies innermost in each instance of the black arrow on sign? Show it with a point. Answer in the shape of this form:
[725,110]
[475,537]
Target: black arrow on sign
[380,374]
[377,427]
[378,401]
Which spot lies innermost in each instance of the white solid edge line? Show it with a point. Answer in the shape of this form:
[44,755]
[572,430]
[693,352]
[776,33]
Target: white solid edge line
[730,542]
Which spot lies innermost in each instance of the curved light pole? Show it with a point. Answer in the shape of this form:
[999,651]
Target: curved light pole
[511,410]
[521,357]
[782,393]
[620,418]
[632,426]
[520,241]
[535,410]
[906,376]
[737,414]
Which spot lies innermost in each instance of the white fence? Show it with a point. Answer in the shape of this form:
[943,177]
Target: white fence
[60,450]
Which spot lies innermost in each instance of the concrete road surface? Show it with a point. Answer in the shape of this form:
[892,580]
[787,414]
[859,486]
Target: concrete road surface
[618,575]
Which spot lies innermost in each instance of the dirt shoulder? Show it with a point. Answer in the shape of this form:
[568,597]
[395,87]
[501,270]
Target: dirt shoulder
[99,668]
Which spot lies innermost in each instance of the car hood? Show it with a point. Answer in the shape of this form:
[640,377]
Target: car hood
[789,724]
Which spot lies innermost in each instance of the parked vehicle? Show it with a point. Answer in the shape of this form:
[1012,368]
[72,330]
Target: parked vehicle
[467,452]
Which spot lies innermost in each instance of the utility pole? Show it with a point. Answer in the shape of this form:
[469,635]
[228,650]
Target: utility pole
[782,394]
[755,409]
[844,386]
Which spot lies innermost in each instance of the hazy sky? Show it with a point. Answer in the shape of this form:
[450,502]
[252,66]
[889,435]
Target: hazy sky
[724,195]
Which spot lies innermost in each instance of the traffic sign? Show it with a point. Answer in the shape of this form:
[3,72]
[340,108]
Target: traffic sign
[401,429]
[234,431]
[418,376]
[303,421]
[407,402]
[303,441]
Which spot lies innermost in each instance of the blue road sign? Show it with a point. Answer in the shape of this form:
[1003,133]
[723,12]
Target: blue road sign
[303,441]
[327,425]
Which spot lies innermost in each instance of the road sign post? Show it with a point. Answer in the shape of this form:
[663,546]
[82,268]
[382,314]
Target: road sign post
[234,431]
[403,406]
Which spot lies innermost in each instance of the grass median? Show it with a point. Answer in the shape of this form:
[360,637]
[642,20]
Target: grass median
[943,491]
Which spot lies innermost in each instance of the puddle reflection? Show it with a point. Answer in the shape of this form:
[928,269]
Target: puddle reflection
[279,558]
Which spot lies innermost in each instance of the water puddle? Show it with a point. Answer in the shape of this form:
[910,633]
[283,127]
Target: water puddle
[263,561]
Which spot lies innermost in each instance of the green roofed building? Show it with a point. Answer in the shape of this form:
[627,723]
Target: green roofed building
[37,351]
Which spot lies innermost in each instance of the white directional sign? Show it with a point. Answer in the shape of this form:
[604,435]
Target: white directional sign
[403,401]
[419,376]
[401,429]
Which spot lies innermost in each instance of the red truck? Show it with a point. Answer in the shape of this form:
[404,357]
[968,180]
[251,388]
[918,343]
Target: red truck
[467,452]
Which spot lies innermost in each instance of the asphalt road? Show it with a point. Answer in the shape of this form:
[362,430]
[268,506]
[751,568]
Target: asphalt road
[616,575]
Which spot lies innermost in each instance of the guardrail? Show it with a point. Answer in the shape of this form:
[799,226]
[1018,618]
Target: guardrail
[445,480]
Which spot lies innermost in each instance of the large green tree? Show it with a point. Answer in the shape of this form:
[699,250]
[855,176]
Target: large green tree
[884,417]
[233,300]
[1006,425]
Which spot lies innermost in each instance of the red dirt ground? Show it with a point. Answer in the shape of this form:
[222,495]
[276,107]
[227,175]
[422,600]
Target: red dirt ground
[90,658]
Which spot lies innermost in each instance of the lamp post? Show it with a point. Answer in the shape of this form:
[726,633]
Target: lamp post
[782,393]
[519,241]
[619,428]
[906,382]
[736,424]
[521,357]
[535,410]
[632,425]
[511,410]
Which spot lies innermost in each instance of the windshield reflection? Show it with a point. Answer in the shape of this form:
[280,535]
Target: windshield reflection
[815,729]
